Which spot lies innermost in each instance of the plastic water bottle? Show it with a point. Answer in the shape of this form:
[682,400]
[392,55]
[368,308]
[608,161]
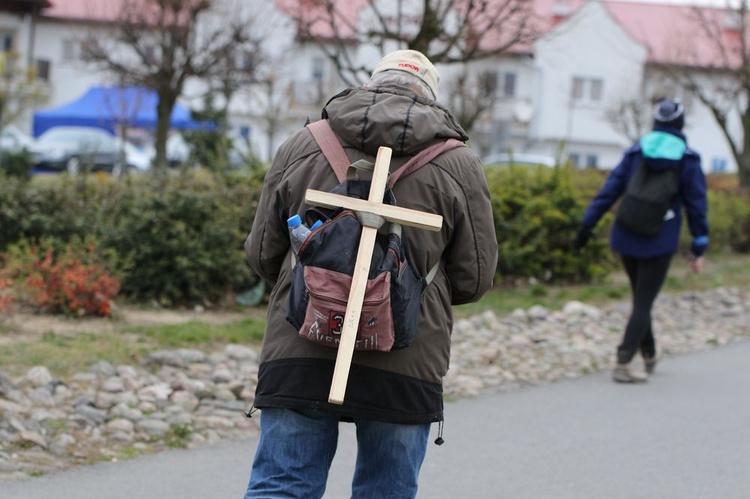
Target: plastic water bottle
[298,232]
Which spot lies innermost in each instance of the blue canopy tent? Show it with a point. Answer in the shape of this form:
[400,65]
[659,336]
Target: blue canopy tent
[110,107]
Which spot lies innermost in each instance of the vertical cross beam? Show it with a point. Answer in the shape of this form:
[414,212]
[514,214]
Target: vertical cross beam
[374,204]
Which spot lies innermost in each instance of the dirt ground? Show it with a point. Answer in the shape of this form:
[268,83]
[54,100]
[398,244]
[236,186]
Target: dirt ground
[20,326]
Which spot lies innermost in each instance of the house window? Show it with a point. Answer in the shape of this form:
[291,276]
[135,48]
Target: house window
[596,89]
[488,83]
[317,69]
[577,92]
[509,85]
[71,50]
[575,159]
[587,89]
[43,69]
[718,165]
[592,161]
[7,41]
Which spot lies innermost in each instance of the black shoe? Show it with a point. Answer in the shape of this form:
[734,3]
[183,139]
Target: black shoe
[649,363]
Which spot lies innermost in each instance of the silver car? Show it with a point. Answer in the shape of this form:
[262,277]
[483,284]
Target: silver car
[14,140]
[77,149]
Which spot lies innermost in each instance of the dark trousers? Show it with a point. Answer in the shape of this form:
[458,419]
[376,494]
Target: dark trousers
[646,279]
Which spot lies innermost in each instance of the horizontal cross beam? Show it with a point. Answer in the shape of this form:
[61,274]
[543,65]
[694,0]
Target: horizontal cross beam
[395,214]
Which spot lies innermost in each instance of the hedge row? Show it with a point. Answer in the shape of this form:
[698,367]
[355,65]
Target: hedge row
[537,213]
[177,238]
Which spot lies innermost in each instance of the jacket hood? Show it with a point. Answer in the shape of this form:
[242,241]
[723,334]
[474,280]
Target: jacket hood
[390,116]
[663,148]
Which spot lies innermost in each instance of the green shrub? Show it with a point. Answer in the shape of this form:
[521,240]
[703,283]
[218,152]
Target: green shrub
[53,208]
[178,236]
[537,213]
[181,239]
[728,221]
[16,164]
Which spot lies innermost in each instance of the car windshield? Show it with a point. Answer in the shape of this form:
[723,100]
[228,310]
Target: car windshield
[69,135]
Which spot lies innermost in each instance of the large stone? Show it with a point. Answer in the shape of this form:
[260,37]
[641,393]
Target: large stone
[12,408]
[119,426]
[38,376]
[240,352]
[31,437]
[113,384]
[153,427]
[156,392]
[91,413]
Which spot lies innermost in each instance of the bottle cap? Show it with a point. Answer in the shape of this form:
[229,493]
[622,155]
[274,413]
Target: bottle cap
[316,225]
[294,221]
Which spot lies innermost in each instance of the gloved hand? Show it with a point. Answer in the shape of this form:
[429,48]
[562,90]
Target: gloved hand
[582,237]
[699,246]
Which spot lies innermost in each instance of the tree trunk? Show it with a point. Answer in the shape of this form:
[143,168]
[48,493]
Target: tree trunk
[743,169]
[743,158]
[163,117]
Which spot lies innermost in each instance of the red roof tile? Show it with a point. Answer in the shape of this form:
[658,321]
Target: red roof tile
[87,10]
[669,32]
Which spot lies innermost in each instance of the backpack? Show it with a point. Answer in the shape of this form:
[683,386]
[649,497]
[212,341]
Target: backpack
[321,278]
[647,199]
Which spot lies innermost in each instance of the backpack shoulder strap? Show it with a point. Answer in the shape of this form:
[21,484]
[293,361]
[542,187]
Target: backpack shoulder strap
[331,148]
[339,161]
[423,157]
[415,163]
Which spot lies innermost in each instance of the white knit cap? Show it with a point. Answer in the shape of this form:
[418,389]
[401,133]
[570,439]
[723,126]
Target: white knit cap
[412,62]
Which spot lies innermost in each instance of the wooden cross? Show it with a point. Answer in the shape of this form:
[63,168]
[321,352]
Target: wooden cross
[374,204]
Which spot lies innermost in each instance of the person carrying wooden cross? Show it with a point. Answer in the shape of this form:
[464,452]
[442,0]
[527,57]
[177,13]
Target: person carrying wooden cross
[392,397]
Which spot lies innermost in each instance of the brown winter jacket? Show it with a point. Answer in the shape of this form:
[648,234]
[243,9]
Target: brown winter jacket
[402,386]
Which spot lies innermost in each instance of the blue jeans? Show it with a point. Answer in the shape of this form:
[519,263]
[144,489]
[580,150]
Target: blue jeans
[296,449]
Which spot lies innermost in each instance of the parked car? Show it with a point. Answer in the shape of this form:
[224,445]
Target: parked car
[77,149]
[141,151]
[519,159]
[12,139]
[178,150]
[137,159]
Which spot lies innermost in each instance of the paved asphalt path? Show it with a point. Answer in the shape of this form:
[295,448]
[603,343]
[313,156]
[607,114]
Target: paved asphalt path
[683,435]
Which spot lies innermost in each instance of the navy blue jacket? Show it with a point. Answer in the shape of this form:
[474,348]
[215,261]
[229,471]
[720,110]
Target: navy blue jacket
[664,147]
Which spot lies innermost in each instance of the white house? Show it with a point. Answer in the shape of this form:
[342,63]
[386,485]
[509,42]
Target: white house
[585,63]
[555,97]
[592,57]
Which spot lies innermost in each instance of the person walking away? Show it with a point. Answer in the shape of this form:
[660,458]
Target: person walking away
[392,397]
[646,255]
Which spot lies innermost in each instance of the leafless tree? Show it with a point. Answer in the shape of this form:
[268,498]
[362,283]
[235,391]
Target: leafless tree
[631,118]
[161,44]
[19,88]
[446,31]
[471,95]
[269,103]
[722,84]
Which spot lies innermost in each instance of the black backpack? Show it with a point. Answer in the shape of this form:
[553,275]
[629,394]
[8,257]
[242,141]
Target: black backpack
[321,278]
[647,199]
